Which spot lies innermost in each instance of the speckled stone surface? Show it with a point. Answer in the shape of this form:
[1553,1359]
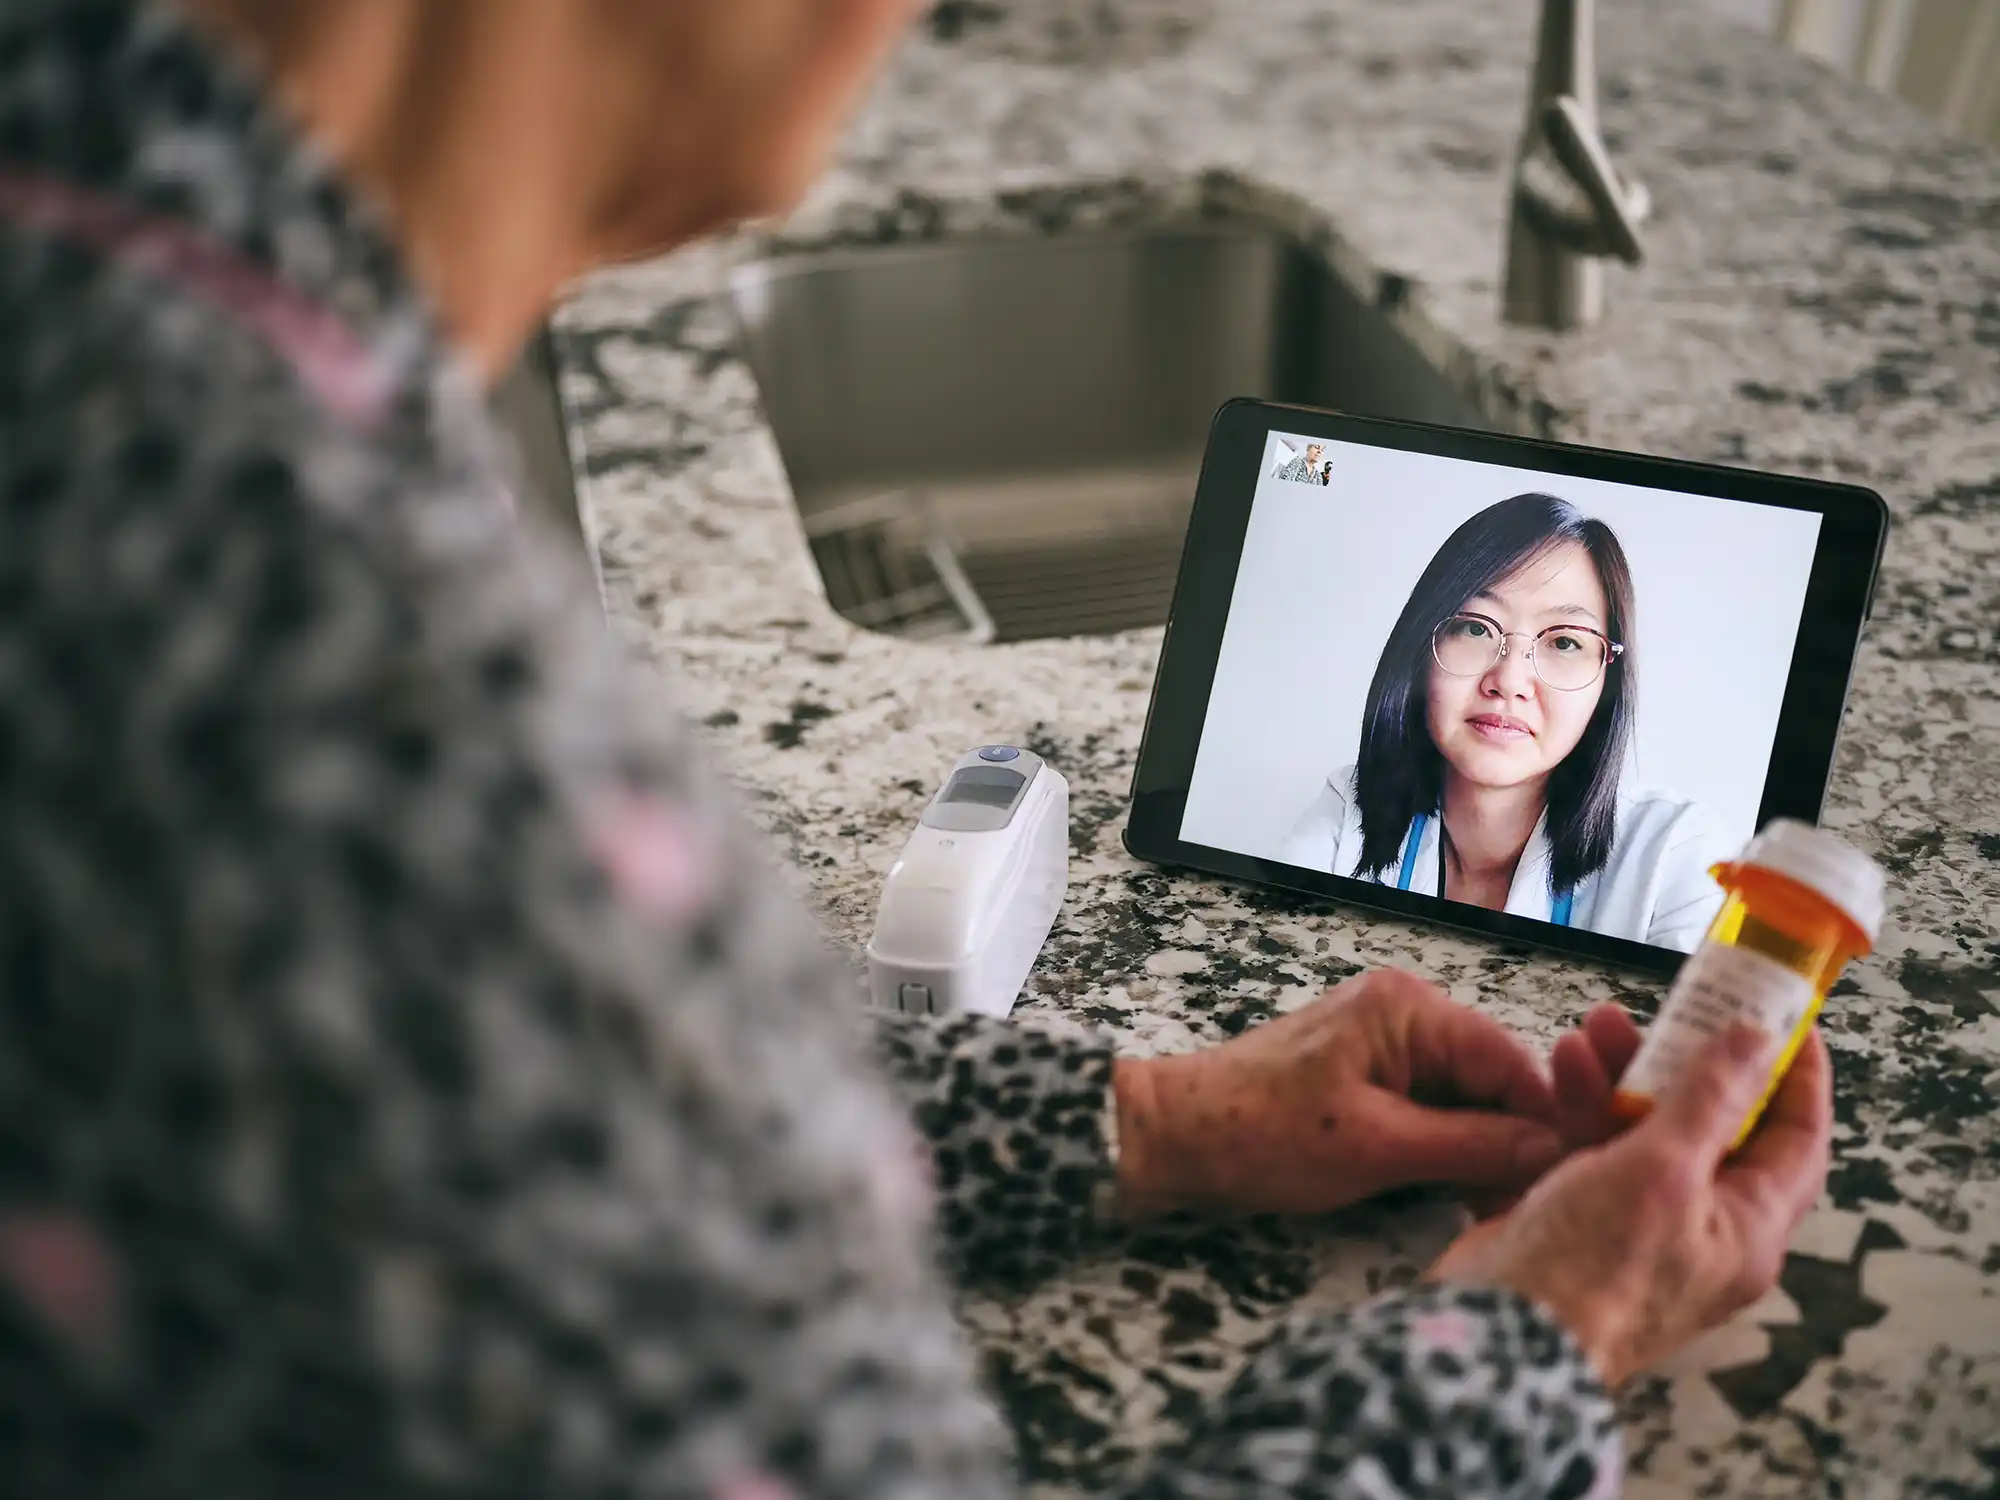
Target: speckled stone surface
[1822,296]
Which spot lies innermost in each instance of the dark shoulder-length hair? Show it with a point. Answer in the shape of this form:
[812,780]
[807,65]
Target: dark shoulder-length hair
[1400,773]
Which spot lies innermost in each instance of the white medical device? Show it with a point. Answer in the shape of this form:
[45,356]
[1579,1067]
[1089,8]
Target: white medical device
[970,900]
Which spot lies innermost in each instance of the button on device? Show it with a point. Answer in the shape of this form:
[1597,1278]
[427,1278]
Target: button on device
[915,1000]
[999,752]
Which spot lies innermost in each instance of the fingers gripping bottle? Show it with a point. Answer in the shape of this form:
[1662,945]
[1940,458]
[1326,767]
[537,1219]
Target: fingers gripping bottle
[1801,905]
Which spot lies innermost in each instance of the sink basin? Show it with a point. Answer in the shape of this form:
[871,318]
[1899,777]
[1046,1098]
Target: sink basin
[999,441]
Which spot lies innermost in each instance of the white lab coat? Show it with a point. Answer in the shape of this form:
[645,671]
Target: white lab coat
[1654,889]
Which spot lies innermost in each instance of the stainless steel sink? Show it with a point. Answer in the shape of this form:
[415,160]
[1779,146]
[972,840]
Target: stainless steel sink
[1000,440]
[526,404]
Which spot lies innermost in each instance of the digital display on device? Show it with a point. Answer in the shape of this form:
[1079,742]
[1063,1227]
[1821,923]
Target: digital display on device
[1528,688]
[985,787]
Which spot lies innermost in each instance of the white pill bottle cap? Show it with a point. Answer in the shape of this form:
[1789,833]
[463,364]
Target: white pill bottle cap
[1838,871]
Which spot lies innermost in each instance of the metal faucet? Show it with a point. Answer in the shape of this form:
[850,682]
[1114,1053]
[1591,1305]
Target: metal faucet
[1571,209]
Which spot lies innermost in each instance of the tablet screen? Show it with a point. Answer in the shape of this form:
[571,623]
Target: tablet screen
[1545,695]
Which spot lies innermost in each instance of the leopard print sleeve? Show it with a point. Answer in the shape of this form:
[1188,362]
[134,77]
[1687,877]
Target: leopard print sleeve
[1021,1130]
[1439,1391]
[1436,1393]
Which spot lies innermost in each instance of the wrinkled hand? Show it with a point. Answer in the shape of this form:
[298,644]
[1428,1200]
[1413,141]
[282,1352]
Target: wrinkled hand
[1384,1082]
[1641,1241]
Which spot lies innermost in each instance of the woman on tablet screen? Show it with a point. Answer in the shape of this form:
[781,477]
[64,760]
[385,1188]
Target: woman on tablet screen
[1495,740]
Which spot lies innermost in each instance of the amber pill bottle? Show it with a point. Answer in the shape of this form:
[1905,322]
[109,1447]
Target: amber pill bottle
[1800,905]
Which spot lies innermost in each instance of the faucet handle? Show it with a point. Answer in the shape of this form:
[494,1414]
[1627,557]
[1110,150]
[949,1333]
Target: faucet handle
[1619,206]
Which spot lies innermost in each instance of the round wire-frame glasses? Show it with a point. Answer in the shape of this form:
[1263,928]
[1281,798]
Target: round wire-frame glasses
[1568,658]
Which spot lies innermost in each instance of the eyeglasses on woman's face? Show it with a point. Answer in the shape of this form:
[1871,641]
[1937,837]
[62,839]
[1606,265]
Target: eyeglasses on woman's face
[1567,658]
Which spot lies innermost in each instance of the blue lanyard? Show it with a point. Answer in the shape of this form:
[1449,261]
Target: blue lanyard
[1559,912]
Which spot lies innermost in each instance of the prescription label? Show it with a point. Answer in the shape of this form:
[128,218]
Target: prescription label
[1718,985]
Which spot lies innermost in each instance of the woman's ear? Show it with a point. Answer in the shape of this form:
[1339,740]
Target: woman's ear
[726,110]
[843,45]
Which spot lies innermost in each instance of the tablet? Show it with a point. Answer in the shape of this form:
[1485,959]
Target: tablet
[1519,687]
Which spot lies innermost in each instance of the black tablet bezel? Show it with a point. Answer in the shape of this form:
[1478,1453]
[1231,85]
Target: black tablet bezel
[1839,594]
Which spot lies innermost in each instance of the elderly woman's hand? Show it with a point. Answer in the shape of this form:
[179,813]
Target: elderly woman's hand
[1643,1242]
[1384,1082]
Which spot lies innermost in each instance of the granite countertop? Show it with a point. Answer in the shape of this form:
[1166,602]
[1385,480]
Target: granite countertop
[1822,296]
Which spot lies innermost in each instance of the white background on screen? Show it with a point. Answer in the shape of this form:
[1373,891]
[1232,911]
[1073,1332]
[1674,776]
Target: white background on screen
[1326,570]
